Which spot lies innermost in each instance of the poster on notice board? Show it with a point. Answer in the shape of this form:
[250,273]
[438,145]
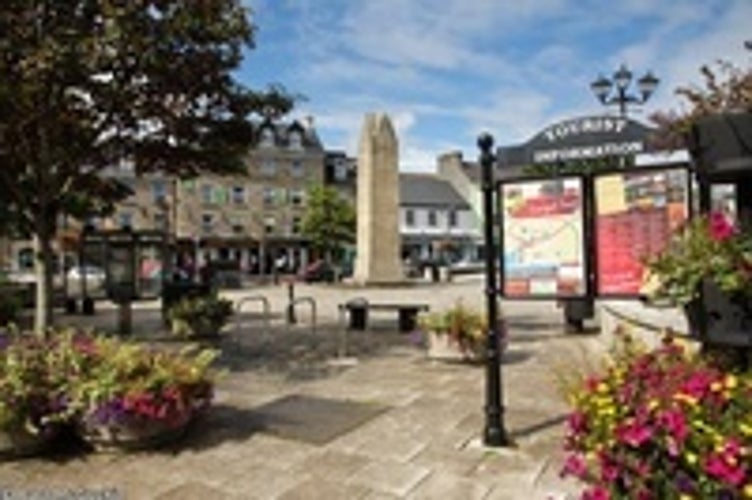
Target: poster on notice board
[636,212]
[542,234]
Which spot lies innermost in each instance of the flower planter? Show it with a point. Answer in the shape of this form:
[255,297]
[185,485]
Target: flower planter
[719,318]
[445,348]
[133,433]
[21,443]
[197,330]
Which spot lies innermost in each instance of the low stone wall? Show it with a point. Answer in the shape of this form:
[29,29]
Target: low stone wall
[646,323]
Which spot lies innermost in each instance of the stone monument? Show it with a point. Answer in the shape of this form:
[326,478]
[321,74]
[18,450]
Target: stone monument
[378,239]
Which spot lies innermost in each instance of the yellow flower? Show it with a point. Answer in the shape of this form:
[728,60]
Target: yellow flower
[748,491]
[686,398]
[690,457]
[602,387]
[716,387]
[731,381]
[653,404]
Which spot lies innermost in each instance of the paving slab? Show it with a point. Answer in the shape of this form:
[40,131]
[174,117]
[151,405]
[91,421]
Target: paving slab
[424,444]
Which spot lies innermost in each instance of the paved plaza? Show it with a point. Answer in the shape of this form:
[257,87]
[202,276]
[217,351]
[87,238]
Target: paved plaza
[416,426]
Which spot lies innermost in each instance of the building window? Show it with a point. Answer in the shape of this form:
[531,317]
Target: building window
[297,197]
[269,224]
[267,137]
[340,171]
[26,258]
[159,191]
[238,195]
[160,221]
[432,218]
[296,140]
[296,168]
[238,228]
[206,193]
[409,218]
[125,219]
[269,168]
[207,222]
[269,196]
[452,218]
[295,226]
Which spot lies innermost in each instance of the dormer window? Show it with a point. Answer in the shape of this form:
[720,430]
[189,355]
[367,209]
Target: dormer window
[266,138]
[296,139]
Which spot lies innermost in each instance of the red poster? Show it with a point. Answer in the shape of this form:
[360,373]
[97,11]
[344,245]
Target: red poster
[635,215]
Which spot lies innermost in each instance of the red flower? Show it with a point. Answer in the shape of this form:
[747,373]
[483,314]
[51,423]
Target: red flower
[596,493]
[574,466]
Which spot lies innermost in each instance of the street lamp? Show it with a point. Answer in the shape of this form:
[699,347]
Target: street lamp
[494,432]
[621,79]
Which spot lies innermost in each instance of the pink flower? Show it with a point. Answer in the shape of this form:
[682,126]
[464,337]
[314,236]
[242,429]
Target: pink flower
[634,434]
[717,465]
[577,422]
[675,423]
[575,466]
[721,228]
[596,493]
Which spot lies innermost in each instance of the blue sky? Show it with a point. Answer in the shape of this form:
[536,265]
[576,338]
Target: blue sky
[446,71]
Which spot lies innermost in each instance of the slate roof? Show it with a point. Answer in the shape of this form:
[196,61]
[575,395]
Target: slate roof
[428,190]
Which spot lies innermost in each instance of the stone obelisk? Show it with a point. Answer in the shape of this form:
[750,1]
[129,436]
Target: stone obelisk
[378,253]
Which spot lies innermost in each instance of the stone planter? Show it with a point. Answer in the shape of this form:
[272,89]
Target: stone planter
[135,433]
[718,318]
[21,443]
[445,348]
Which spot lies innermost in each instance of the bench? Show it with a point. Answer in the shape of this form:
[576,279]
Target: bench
[358,311]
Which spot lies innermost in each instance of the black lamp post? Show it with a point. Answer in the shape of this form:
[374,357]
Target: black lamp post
[494,433]
[619,83]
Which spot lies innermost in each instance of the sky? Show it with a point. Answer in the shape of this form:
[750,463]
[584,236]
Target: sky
[447,71]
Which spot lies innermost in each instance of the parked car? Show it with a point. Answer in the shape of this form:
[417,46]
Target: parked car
[318,270]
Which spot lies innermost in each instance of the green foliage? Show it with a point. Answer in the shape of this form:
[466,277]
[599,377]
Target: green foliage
[90,85]
[329,220]
[196,316]
[704,248]
[74,377]
[725,89]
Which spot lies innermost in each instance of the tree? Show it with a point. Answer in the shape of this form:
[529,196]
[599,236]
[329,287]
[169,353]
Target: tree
[726,88]
[86,85]
[329,221]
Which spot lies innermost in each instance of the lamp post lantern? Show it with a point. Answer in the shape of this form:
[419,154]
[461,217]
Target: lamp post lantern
[619,84]
[494,433]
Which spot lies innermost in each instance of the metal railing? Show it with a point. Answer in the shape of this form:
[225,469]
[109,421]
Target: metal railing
[252,299]
[291,311]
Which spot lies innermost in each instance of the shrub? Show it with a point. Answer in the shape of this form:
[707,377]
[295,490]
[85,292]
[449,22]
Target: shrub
[196,316]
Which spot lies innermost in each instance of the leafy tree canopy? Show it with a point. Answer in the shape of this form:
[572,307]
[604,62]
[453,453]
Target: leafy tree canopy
[725,88]
[88,84]
[329,221]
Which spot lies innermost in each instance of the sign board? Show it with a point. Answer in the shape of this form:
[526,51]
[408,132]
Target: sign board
[635,214]
[577,139]
[543,238]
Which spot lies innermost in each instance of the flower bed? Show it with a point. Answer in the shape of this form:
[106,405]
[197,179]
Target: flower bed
[115,394]
[661,424]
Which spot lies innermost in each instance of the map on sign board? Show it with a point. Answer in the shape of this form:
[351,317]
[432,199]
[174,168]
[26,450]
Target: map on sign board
[636,212]
[543,238]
